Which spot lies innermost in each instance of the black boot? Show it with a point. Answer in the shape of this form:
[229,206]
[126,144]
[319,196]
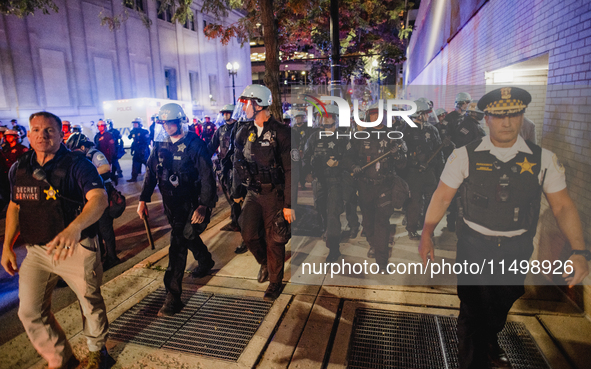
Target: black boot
[171,306]
[273,291]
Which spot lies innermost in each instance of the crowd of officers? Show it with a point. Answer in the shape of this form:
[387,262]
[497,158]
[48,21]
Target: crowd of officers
[382,169]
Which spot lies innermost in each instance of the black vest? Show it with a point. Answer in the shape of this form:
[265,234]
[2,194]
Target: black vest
[262,156]
[43,212]
[502,196]
[176,171]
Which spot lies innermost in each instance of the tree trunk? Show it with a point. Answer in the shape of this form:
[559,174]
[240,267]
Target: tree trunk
[271,78]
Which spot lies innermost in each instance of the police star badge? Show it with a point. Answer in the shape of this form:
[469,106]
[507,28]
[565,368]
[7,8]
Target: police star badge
[526,166]
[50,193]
[331,145]
[252,137]
[506,93]
[267,136]
[181,147]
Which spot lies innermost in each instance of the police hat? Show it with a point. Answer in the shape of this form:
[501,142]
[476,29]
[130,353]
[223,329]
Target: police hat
[505,101]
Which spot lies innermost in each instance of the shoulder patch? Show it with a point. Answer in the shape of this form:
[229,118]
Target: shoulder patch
[452,157]
[557,164]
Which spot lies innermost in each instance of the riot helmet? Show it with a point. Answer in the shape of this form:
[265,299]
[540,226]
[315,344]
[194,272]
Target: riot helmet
[171,115]
[462,98]
[137,121]
[76,128]
[422,109]
[251,97]
[474,112]
[78,141]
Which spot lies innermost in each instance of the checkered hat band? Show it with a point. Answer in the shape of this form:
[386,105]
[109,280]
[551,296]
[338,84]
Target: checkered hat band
[506,106]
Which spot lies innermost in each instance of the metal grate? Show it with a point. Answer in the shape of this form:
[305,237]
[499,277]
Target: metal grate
[218,326]
[221,328]
[141,325]
[391,339]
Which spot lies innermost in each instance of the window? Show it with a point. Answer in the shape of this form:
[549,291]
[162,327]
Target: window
[166,14]
[190,23]
[170,80]
[194,85]
[135,4]
[213,89]
[204,24]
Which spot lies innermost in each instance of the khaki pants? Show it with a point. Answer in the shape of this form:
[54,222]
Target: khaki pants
[39,273]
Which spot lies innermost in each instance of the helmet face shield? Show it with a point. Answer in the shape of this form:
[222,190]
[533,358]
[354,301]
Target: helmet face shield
[244,110]
[161,134]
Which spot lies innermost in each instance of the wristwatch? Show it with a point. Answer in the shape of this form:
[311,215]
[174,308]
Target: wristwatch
[585,253]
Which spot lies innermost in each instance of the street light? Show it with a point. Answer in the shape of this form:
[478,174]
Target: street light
[375,65]
[233,71]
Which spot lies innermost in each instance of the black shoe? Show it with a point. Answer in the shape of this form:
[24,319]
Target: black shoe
[109,263]
[498,356]
[171,306]
[353,232]
[132,179]
[241,249]
[202,269]
[231,227]
[371,252]
[413,235]
[263,275]
[273,291]
[72,363]
[333,255]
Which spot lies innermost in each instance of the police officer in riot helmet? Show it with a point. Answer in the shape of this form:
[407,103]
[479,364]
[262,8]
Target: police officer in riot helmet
[180,165]
[440,113]
[323,158]
[301,129]
[501,178]
[447,126]
[79,142]
[466,129]
[375,181]
[424,161]
[116,171]
[209,129]
[66,129]
[262,160]
[140,148]
[222,139]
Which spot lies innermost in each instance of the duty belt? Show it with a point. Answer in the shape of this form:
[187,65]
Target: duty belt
[466,230]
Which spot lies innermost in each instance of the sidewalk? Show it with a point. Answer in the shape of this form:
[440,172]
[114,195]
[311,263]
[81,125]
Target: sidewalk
[309,326]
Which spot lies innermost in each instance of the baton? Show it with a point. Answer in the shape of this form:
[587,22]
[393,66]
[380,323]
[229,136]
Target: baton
[149,232]
[424,167]
[377,159]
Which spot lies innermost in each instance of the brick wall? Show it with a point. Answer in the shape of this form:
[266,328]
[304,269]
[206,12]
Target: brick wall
[506,32]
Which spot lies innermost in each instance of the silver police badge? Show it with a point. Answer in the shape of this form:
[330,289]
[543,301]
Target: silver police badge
[295,155]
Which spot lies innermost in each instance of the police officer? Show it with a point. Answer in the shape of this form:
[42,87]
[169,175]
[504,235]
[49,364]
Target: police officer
[262,160]
[447,126]
[424,156]
[466,129]
[13,149]
[322,156]
[76,128]
[208,129]
[140,148]
[376,180]
[79,142]
[504,177]
[67,129]
[57,196]
[22,131]
[116,171]
[301,129]
[104,141]
[222,139]
[181,167]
